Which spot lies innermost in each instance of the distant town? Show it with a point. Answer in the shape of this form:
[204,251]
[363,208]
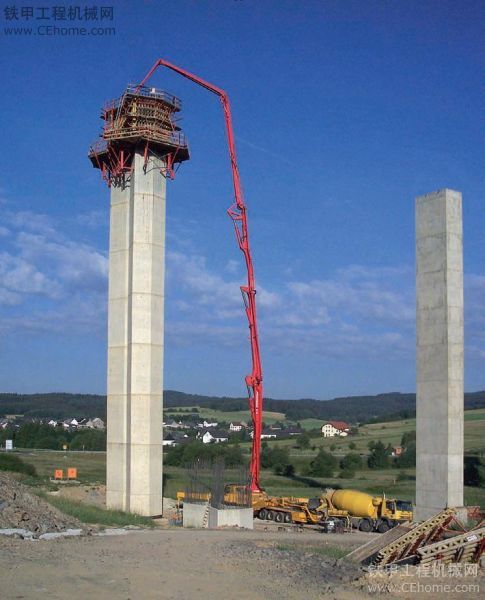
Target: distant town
[183,430]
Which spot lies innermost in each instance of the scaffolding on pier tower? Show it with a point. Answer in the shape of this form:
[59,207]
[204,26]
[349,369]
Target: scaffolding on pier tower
[142,118]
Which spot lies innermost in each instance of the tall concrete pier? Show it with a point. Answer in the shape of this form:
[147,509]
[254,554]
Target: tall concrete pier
[135,340]
[140,146]
[439,352]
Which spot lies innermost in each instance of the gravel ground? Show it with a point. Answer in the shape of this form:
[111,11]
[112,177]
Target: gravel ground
[173,564]
[268,563]
[20,508]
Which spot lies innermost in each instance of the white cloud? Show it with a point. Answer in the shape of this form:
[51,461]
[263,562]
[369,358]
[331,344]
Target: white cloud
[40,262]
[93,219]
[360,310]
[75,264]
[359,292]
[232,266]
[17,276]
[31,221]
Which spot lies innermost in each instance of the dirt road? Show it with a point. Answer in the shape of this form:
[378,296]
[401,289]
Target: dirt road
[166,564]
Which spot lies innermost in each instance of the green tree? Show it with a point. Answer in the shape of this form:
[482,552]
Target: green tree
[233,455]
[351,462]
[408,437]
[303,441]
[352,446]
[289,470]
[90,439]
[379,457]
[324,464]
[408,457]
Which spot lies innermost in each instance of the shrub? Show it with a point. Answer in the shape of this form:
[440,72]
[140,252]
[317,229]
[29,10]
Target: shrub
[352,446]
[303,441]
[351,462]
[10,462]
[347,474]
[89,440]
[181,455]
[324,464]
[289,470]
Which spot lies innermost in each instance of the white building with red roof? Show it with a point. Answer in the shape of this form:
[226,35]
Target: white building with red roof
[335,428]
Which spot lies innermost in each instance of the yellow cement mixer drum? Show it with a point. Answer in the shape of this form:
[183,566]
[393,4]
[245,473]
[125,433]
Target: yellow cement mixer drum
[356,503]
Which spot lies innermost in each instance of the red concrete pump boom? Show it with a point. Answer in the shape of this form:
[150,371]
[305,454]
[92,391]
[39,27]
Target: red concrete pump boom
[238,213]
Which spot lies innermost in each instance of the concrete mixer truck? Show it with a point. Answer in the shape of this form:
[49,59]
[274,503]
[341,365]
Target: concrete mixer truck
[347,507]
[365,512]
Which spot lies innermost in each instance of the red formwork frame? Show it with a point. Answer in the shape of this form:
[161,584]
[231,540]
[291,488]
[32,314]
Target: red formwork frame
[238,213]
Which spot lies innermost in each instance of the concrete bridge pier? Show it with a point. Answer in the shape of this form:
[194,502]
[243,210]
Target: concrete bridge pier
[135,339]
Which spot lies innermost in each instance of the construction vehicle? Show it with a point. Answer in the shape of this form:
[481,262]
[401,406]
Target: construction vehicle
[350,507]
[232,495]
[367,513]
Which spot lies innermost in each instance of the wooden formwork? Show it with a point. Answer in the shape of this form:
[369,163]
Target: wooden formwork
[421,535]
[466,547]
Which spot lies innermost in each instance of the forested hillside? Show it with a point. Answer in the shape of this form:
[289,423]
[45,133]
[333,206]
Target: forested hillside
[353,409]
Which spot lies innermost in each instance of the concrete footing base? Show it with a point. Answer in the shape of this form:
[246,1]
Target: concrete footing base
[202,516]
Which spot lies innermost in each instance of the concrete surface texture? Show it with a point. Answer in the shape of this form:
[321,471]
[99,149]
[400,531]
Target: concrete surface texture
[231,517]
[135,340]
[194,514]
[439,352]
[202,516]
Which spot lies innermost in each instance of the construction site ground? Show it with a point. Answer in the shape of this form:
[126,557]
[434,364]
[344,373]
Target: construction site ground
[186,564]
[270,562]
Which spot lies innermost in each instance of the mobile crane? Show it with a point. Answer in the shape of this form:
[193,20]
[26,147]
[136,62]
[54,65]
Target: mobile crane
[238,213]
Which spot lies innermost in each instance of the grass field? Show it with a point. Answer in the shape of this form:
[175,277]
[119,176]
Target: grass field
[87,513]
[374,482]
[475,415]
[228,416]
[91,465]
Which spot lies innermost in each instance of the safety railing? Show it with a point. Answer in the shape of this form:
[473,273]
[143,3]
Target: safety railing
[173,138]
[145,92]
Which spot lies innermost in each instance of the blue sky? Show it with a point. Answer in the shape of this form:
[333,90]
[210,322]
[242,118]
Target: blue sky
[343,111]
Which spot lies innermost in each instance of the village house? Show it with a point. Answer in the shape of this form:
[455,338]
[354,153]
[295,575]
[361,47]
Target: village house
[212,435]
[95,423]
[207,424]
[266,434]
[335,429]
[236,426]
[177,425]
[168,441]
